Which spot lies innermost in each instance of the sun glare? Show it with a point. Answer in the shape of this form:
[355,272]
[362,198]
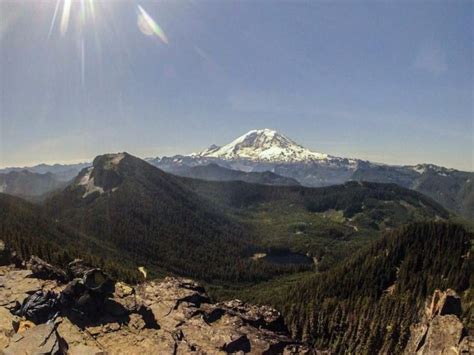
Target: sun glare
[86,9]
[81,13]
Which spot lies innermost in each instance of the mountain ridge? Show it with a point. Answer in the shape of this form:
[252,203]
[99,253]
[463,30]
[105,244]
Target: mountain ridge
[267,150]
[152,216]
[28,184]
[215,172]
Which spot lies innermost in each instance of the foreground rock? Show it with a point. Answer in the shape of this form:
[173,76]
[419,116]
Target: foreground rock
[172,316]
[41,339]
[440,332]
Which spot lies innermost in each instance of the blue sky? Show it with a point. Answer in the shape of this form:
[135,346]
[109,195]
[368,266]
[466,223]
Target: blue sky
[385,81]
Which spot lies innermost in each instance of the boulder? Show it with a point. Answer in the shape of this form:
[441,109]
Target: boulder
[42,339]
[417,336]
[440,331]
[257,316]
[443,303]
[74,335]
[170,316]
[6,327]
[443,335]
[42,270]
[172,301]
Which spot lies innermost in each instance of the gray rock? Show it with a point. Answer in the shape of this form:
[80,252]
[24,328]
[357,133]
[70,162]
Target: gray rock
[441,331]
[443,303]
[171,316]
[42,270]
[42,339]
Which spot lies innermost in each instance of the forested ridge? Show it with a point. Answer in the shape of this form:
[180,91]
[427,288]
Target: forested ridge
[26,229]
[138,215]
[366,304]
[155,221]
[351,197]
[376,264]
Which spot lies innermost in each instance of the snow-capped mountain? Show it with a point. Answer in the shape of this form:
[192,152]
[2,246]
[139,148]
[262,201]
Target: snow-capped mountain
[263,145]
[266,150]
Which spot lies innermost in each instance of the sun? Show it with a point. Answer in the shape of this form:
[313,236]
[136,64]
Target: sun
[83,13]
[86,9]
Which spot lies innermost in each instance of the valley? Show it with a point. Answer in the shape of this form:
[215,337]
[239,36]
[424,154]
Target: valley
[264,156]
[265,244]
[236,177]
[337,261]
[151,218]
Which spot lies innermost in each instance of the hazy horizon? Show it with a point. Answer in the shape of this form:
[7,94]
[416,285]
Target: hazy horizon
[144,156]
[385,82]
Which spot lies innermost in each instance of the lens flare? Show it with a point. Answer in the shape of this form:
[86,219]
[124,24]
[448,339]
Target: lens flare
[91,9]
[82,16]
[71,18]
[53,21]
[83,63]
[65,16]
[148,26]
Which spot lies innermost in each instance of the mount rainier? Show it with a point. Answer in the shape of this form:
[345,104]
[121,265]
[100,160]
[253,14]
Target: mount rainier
[267,150]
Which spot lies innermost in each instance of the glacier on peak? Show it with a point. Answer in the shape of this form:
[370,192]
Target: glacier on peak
[264,145]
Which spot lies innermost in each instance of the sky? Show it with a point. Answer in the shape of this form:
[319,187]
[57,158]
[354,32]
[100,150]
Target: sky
[387,81]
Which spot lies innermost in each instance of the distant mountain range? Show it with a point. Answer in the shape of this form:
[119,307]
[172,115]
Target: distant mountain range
[265,150]
[128,210]
[353,270]
[28,184]
[214,172]
[61,172]
[268,150]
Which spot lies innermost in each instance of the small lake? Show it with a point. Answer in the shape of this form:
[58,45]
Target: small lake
[284,257]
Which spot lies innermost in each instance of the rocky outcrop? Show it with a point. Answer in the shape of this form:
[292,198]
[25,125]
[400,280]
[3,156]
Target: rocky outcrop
[41,339]
[170,316]
[440,332]
[45,271]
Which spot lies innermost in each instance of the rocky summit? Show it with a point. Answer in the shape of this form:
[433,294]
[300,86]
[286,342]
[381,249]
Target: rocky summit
[440,330]
[42,313]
